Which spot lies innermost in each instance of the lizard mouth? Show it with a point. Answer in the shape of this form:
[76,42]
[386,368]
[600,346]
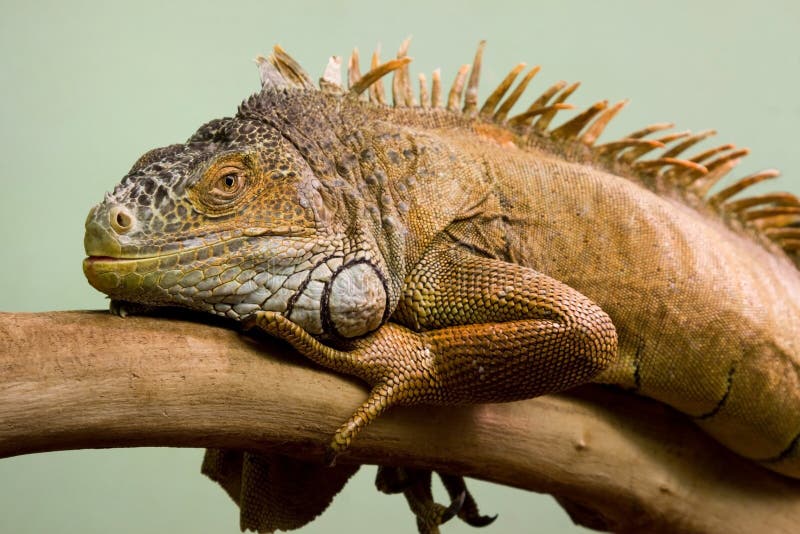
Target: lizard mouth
[180,254]
[102,258]
[118,276]
[100,244]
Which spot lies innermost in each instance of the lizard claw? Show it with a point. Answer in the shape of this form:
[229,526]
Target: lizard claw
[429,514]
[117,307]
[330,456]
[480,520]
[468,512]
[454,508]
[123,309]
[415,484]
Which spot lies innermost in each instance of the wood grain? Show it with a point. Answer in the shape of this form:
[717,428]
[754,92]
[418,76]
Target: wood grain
[73,380]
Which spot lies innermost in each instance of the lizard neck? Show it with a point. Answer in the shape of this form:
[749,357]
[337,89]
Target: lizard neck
[396,186]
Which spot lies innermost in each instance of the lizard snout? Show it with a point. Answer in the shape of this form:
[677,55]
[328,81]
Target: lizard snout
[103,226]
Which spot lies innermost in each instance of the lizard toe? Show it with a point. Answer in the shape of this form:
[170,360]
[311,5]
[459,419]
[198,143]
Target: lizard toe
[453,508]
[393,480]
[468,511]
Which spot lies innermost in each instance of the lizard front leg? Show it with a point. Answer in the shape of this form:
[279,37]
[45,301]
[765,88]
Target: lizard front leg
[491,331]
[482,330]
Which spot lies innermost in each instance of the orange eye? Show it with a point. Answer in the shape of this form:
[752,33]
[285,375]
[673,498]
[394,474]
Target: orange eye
[229,185]
[225,185]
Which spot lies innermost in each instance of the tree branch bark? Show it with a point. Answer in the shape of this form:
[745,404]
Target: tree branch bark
[73,380]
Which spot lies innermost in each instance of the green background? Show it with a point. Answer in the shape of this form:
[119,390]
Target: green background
[89,86]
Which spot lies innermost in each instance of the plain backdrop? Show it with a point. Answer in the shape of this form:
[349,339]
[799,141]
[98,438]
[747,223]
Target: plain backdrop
[86,87]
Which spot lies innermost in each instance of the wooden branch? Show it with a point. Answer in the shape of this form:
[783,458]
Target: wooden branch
[88,379]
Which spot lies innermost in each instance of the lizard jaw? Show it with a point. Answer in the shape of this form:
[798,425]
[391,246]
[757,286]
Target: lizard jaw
[231,277]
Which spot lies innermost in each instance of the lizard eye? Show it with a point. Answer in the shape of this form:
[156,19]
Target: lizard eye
[225,185]
[229,183]
[228,186]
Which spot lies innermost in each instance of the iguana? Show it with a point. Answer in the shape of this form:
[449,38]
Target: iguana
[447,253]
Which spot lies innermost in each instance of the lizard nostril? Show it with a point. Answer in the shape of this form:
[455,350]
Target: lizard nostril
[121,219]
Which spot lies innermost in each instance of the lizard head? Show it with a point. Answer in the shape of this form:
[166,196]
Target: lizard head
[232,222]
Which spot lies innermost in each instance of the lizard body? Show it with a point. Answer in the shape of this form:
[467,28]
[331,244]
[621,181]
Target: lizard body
[455,255]
[652,249]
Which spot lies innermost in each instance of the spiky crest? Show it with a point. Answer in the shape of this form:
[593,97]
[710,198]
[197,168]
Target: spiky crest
[775,216]
[331,79]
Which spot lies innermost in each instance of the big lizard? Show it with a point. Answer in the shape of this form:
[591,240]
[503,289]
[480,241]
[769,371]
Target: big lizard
[450,253]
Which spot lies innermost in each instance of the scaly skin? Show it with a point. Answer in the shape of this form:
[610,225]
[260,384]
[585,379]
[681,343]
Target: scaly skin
[451,256]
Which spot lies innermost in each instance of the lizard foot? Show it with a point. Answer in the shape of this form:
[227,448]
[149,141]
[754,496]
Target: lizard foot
[415,485]
[456,487]
[418,494]
[395,361]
